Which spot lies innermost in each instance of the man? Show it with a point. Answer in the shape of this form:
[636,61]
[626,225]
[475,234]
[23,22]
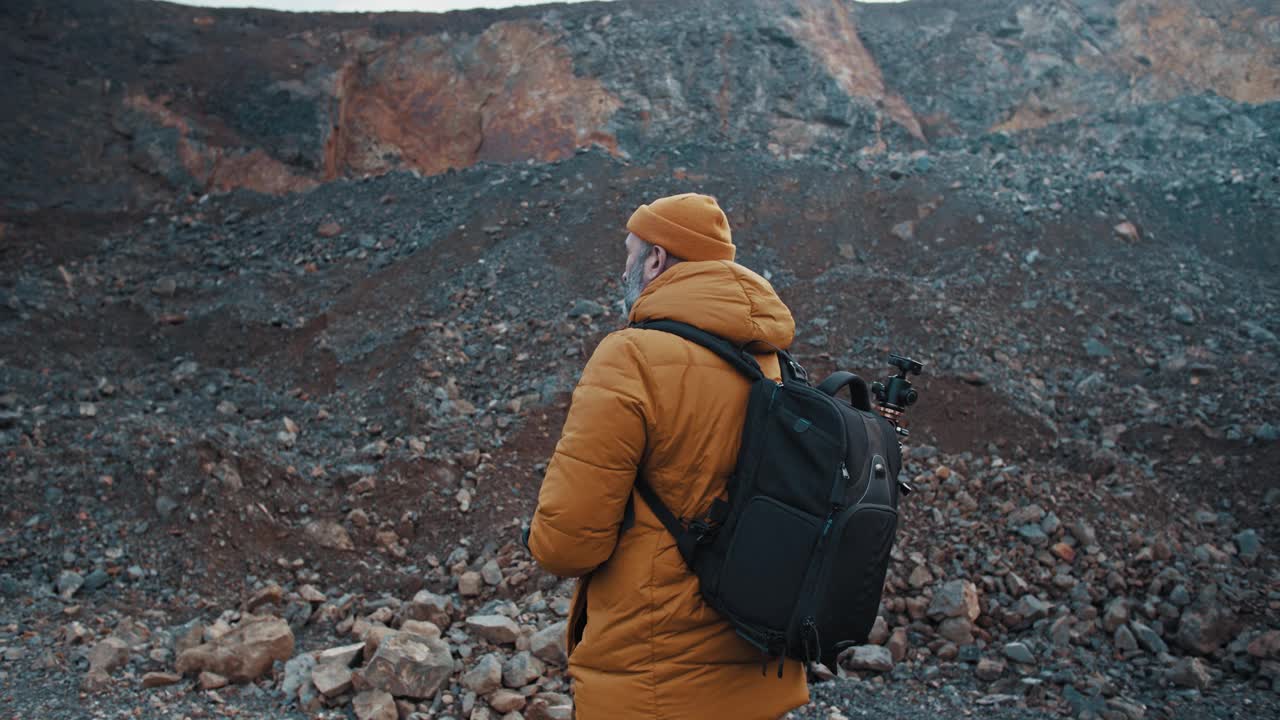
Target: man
[642,641]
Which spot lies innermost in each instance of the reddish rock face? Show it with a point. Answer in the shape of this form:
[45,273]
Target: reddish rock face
[437,103]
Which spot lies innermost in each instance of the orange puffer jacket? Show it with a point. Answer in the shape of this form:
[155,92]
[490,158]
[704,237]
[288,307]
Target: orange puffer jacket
[643,643]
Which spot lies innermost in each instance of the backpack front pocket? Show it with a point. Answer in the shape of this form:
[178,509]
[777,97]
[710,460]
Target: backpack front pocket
[765,565]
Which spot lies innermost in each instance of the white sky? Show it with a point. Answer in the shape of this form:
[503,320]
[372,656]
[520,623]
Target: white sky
[378,5]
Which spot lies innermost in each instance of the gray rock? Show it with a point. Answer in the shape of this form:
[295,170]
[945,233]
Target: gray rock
[548,644]
[1032,608]
[1116,614]
[1248,545]
[165,506]
[491,573]
[1050,524]
[1093,704]
[1191,673]
[1148,639]
[1204,631]
[1019,653]
[485,676]
[297,672]
[1183,314]
[96,579]
[956,598]
[1095,348]
[522,669]
[589,308]
[1034,535]
[1124,640]
[1256,331]
[69,583]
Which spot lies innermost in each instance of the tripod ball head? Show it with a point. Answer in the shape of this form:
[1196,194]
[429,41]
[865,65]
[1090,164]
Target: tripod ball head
[895,392]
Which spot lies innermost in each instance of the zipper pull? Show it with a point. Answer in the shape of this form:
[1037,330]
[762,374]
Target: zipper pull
[844,471]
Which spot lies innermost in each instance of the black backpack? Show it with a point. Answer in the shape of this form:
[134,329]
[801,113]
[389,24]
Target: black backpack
[796,559]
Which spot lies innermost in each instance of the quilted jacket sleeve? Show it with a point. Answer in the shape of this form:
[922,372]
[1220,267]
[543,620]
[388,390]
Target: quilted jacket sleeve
[593,470]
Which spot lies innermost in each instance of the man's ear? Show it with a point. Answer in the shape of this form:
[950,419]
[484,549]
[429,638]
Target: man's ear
[657,261]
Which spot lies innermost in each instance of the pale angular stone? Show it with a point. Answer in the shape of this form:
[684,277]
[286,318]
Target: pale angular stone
[160,679]
[375,705]
[879,634]
[505,701]
[408,665]
[989,669]
[430,607]
[470,584]
[421,628]
[867,657]
[211,681]
[897,644]
[331,679]
[345,655]
[497,629]
[243,654]
[329,534]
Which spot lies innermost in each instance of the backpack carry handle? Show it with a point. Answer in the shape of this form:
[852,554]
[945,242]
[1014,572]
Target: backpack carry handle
[858,393]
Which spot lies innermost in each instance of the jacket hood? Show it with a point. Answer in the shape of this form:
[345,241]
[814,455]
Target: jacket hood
[721,297]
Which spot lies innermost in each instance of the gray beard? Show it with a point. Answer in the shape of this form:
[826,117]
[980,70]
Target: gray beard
[632,285]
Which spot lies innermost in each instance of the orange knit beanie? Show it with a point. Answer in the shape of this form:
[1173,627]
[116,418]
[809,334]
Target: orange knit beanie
[689,226]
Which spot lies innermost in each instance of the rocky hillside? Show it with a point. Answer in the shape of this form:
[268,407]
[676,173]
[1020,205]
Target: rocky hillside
[291,307]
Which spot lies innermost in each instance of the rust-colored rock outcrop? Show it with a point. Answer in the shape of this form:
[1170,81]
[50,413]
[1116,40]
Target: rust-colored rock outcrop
[437,102]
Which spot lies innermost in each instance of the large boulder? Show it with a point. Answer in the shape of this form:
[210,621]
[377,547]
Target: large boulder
[244,654]
[409,665]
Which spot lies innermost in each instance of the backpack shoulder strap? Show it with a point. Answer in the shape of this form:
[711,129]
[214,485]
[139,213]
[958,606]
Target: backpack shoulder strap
[687,539]
[741,361]
[700,530]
